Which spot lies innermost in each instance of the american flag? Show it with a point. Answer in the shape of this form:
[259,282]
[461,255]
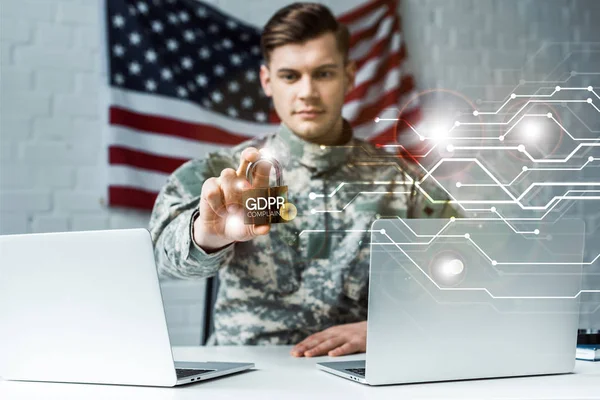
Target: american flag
[183,82]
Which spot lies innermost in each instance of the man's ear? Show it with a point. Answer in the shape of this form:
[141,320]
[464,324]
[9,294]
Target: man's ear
[265,80]
[350,71]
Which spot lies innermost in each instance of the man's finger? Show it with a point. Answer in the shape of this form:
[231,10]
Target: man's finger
[258,230]
[325,346]
[303,345]
[299,349]
[213,199]
[346,348]
[249,155]
[232,191]
[308,343]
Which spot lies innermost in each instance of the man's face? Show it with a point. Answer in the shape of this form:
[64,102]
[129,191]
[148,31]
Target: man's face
[308,83]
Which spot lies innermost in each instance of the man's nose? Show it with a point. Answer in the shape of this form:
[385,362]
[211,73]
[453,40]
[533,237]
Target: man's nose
[307,88]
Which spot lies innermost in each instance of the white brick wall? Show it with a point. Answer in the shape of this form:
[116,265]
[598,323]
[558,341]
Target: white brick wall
[184,307]
[51,161]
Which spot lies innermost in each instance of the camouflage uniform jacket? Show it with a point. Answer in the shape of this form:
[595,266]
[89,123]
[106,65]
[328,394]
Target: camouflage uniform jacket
[305,275]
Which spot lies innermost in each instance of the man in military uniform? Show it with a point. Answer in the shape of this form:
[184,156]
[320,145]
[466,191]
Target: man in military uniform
[303,282]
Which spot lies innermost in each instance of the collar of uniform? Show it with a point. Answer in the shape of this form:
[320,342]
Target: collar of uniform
[316,157]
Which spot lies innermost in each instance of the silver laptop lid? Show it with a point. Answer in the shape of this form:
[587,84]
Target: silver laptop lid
[83,307]
[472,299]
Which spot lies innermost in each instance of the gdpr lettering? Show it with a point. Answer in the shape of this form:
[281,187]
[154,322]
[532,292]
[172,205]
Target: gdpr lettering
[262,203]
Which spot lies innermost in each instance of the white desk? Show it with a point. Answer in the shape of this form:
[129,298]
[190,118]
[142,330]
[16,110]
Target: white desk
[280,376]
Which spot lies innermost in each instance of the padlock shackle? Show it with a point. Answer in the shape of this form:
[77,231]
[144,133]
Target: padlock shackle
[270,160]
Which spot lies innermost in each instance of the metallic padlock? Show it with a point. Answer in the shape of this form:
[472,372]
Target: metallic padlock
[265,205]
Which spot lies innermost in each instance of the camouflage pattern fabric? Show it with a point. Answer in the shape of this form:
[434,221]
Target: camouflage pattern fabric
[305,275]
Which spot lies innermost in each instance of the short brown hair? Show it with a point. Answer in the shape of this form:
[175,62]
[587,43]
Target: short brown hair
[300,22]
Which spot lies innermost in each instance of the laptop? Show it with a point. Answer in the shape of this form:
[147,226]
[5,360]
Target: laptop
[86,307]
[468,299]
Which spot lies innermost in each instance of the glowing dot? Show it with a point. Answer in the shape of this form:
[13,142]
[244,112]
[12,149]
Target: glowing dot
[590,159]
[322,147]
[589,100]
[525,169]
[494,262]
[439,132]
[454,267]
[382,231]
[501,138]
[467,236]
[422,138]
[533,129]
[536,232]
[312,196]
[266,152]
[288,211]
[590,88]
[549,115]
[521,148]
[240,185]
[456,123]
[376,119]
[475,113]
[313,211]
[513,96]
[452,219]
[557,88]
[235,222]
[458,184]
[493,209]
[450,148]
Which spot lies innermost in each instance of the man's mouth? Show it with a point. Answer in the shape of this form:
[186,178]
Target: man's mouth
[309,113]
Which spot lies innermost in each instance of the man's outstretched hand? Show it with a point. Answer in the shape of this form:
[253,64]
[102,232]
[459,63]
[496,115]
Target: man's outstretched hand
[335,341]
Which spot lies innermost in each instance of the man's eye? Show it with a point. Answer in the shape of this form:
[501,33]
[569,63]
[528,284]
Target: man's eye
[288,77]
[325,74]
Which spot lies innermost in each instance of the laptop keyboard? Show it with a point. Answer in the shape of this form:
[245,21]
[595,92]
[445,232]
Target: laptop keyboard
[357,371]
[183,373]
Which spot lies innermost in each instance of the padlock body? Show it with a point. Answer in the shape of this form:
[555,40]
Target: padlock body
[263,205]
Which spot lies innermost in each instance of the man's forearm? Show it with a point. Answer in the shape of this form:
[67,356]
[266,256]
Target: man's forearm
[178,257]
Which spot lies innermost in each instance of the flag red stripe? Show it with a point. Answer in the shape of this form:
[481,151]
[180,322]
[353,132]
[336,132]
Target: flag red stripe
[273,117]
[369,112]
[380,47]
[355,14]
[391,134]
[412,117]
[159,124]
[135,158]
[385,137]
[393,61]
[119,196]
[371,30]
